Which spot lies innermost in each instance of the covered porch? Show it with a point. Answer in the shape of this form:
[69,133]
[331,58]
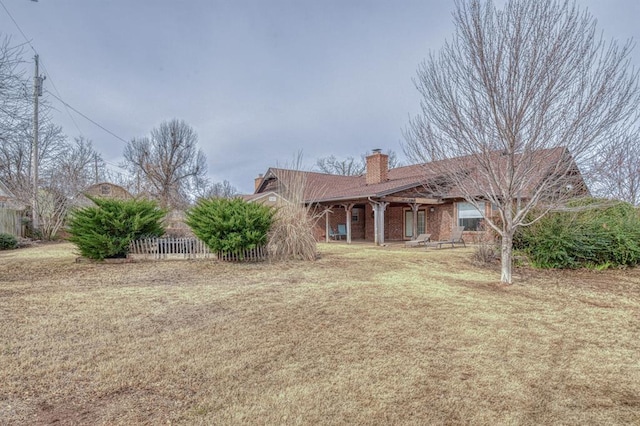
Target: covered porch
[383,219]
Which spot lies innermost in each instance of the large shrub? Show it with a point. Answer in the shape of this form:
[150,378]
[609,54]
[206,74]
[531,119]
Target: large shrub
[8,242]
[230,225]
[591,233]
[105,230]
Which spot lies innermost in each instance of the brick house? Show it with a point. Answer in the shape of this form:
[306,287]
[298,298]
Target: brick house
[382,204]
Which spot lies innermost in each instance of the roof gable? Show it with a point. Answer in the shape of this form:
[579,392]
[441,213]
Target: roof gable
[4,191]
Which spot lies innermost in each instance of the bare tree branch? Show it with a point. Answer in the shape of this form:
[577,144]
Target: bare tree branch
[616,171]
[222,189]
[350,166]
[168,162]
[522,94]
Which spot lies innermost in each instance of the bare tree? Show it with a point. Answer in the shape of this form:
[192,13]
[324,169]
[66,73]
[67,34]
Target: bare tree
[15,155]
[70,168]
[347,167]
[14,115]
[14,96]
[78,167]
[222,189]
[16,127]
[169,162]
[350,166]
[521,95]
[616,171]
[52,208]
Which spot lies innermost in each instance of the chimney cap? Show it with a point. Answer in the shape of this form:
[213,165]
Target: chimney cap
[376,151]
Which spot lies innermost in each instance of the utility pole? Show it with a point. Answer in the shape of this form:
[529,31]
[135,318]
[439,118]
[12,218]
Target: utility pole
[37,92]
[95,164]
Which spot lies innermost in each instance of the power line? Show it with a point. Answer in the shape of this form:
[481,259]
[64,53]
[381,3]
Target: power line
[87,118]
[60,97]
[114,165]
[18,26]
[43,65]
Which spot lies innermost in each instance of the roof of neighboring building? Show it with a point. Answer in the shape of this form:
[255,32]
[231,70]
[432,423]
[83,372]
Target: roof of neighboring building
[260,196]
[4,191]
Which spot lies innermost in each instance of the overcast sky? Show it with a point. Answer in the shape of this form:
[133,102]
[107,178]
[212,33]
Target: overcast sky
[258,80]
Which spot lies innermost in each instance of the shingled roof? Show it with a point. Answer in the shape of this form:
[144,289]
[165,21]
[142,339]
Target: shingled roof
[323,187]
[4,191]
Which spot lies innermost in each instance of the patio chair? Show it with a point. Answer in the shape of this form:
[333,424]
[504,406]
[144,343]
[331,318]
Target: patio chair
[456,238]
[342,230]
[333,234]
[418,241]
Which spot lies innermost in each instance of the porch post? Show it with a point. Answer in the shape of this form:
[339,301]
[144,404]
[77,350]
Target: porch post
[348,209]
[374,206]
[326,225]
[382,206]
[414,209]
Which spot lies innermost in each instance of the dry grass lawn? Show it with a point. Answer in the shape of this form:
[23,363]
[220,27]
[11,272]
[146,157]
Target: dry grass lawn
[364,335]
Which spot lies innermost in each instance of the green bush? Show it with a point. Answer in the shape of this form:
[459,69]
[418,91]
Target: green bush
[230,226]
[591,236]
[8,242]
[105,230]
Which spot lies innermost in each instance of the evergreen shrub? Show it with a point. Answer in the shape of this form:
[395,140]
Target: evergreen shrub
[230,225]
[593,233]
[8,242]
[105,230]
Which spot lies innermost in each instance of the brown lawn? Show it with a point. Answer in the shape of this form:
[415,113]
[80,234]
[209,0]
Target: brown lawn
[364,335]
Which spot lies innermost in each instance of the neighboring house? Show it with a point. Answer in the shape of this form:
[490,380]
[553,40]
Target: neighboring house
[102,190]
[108,190]
[8,200]
[382,204]
[270,198]
[11,213]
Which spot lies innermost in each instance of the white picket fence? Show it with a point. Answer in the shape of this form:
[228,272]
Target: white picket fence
[169,248]
[257,254]
[11,222]
[187,248]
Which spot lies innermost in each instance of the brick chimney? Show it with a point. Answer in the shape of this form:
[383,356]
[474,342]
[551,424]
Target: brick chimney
[377,167]
[258,182]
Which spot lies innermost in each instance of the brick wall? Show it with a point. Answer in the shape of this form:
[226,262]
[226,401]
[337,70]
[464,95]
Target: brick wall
[338,217]
[440,221]
[393,223]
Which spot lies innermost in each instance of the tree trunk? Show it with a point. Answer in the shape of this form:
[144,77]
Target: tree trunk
[507,251]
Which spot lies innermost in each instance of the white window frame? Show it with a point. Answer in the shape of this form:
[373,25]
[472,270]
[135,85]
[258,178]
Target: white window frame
[470,213]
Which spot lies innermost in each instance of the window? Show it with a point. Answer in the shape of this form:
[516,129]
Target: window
[355,215]
[469,216]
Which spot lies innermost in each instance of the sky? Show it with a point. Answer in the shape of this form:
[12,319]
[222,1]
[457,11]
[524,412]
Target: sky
[258,80]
